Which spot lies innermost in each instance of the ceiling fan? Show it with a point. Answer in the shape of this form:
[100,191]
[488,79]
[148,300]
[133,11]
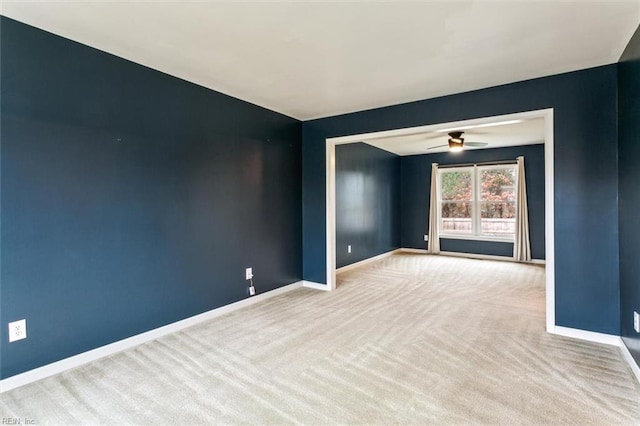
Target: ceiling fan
[456,143]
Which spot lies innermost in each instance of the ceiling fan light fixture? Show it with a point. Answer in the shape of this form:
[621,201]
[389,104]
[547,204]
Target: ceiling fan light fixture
[456,141]
[455,145]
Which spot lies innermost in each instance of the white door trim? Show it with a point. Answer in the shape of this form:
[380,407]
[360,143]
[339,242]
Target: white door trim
[547,114]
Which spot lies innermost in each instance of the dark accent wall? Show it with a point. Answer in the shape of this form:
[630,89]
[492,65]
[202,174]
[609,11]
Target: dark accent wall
[416,187]
[367,202]
[629,197]
[131,199]
[586,179]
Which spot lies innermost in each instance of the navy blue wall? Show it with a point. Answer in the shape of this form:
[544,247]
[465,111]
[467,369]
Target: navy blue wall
[416,187]
[586,179]
[629,199]
[131,199]
[367,202]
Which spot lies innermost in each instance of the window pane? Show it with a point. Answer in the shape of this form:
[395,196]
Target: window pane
[456,217]
[456,186]
[498,184]
[498,218]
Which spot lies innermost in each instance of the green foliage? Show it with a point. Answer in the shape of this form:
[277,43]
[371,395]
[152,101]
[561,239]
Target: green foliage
[456,186]
[497,185]
[497,193]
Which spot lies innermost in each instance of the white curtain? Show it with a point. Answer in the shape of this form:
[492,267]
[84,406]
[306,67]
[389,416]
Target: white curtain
[434,239]
[521,246]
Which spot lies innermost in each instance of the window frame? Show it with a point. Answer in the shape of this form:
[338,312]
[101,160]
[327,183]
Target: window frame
[476,202]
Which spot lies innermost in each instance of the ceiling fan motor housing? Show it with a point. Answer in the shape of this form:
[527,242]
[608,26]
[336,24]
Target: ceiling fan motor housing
[456,141]
[457,136]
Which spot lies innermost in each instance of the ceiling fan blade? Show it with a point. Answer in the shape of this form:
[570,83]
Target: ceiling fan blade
[434,136]
[438,146]
[476,143]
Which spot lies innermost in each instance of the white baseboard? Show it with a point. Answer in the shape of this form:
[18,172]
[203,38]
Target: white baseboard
[472,255]
[477,256]
[315,286]
[365,261]
[635,369]
[412,250]
[590,336]
[112,348]
[607,339]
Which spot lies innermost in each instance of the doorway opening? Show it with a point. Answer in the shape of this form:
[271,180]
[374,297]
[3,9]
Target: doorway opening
[545,114]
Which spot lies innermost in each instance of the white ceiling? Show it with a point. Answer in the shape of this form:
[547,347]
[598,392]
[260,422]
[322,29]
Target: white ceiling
[497,134]
[311,59]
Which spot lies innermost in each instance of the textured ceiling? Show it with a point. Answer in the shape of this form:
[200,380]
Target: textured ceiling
[311,59]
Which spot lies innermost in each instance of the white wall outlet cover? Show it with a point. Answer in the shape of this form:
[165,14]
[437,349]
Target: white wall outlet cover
[252,291]
[426,237]
[17,330]
[248,273]
[636,322]
[348,249]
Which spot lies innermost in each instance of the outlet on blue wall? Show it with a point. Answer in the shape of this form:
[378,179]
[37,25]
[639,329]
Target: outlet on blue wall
[416,187]
[367,202]
[131,199]
[585,170]
[629,201]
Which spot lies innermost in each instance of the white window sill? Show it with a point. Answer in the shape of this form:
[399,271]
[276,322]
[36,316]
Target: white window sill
[476,238]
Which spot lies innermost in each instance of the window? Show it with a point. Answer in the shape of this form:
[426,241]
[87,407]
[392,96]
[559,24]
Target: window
[478,202]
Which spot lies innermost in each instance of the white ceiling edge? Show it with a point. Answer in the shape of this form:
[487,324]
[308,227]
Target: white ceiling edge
[366,108]
[289,103]
[613,58]
[132,57]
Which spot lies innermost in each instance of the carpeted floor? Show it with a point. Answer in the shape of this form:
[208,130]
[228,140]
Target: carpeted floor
[411,339]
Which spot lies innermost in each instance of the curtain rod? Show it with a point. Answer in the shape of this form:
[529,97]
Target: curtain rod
[486,163]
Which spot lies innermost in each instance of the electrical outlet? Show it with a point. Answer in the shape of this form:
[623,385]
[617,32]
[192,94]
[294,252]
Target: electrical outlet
[349,249]
[252,291]
[17,330]
[636,322]
[426,237]
[248,273]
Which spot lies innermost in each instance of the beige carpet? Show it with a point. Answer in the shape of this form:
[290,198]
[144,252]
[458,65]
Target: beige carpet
[411,339]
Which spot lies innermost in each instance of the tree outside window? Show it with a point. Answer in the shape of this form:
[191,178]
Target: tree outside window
[478,201]
[456,189]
